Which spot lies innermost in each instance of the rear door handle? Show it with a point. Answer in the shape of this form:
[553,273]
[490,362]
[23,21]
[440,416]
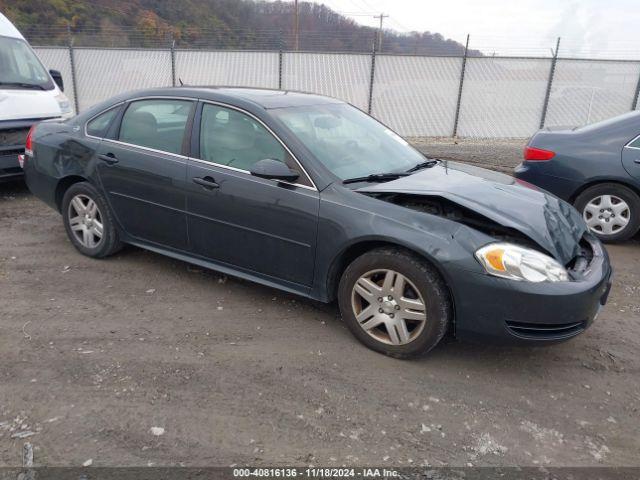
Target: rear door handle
[109,158]
[637,160]
[207,182]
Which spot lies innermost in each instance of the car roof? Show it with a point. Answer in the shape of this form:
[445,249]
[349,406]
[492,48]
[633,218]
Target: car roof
[261,97]
[7,29]
[630,119]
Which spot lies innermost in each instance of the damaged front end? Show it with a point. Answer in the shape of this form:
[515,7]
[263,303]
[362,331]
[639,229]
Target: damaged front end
[492,203]
[520,263]
[445,208]
[582,250]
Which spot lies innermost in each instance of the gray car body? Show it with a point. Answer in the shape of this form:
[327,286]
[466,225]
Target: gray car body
[586,156]
[300,239]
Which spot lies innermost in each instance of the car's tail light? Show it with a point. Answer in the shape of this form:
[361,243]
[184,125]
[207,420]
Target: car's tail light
[28,145]
[28,148]
[538,154]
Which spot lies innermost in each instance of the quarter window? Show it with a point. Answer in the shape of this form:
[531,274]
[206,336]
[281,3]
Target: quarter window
[159,124]
[98,126]
[233,139]
[635,143]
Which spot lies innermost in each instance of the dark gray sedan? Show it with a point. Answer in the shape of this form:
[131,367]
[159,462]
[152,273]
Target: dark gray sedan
[596,168]
[310,195]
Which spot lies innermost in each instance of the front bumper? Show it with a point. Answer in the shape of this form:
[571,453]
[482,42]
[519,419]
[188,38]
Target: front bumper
[13,134]
[496,310]
[9,166]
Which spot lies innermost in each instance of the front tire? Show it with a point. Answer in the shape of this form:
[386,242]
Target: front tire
[611,211]
[88,221]
[394,302]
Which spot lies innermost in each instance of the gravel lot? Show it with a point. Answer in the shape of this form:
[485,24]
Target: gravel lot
[143,360]
[498,154]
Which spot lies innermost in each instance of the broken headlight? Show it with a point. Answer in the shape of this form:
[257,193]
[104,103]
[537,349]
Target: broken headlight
[511,261]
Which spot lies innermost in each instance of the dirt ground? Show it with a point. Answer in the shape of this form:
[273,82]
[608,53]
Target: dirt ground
[498,154]
[143,360]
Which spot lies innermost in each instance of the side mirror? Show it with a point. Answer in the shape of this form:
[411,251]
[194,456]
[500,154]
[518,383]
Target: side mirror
[57,77]
[274,170]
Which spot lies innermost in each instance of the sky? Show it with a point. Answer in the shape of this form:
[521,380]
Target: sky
[597,28]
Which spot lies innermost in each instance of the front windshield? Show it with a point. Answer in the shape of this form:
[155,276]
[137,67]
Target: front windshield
[348,142]
[19,67]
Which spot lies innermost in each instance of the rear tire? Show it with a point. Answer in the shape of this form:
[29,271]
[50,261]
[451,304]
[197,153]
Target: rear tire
[611,210]
[89,222]
[395,302]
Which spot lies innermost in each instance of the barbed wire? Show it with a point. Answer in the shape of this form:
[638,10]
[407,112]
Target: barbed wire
[338,41]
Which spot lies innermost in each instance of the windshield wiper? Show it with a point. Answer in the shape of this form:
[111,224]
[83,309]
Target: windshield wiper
[32,86]
[432,162]
[376,177]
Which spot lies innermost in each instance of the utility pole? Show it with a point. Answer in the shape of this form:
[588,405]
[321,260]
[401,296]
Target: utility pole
[296,26]
[382,16]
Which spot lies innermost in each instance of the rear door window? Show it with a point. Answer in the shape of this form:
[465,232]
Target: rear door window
[159,124]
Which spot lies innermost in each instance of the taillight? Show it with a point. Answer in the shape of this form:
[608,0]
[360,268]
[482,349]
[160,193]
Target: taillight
[28,148]
[538,154]
[28,144]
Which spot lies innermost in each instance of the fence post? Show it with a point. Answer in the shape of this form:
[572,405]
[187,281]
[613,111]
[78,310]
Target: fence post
[552,73]
[634,104]
[372,77]
[280,60]
[72,63]
[462,72]
[173,61]
[280,66]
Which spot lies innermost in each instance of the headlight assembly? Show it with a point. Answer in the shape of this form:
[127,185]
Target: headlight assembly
[511,261]
[65,105]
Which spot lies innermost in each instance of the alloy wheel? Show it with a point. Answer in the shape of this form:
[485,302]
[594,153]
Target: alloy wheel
[85,220]
[389,307]
[607,214]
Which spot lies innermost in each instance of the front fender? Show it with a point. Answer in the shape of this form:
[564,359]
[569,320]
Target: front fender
[346,223]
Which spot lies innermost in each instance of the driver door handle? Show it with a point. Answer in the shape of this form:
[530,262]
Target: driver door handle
[109,158]
[207,182]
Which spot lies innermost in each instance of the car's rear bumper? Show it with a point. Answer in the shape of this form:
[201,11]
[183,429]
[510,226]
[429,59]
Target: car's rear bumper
[496,310]
[531,173]
[41,185]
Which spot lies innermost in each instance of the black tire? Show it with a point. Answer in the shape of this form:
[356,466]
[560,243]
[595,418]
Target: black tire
[109,243]
[624,193]
[423,276]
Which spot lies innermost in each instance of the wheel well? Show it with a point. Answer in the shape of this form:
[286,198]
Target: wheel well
[601,182]
[63,186]
[340,264]
[354,251]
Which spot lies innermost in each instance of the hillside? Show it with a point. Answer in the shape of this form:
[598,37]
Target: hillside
[207,23]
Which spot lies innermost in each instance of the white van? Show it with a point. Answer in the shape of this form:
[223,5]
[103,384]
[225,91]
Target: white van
[28,94]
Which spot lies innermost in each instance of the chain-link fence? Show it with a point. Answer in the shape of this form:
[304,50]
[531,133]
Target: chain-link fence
[417,95]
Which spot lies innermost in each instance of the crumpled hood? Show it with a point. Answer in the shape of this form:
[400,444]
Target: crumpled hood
[550,222]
